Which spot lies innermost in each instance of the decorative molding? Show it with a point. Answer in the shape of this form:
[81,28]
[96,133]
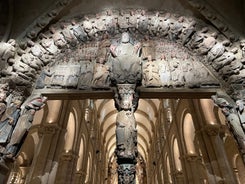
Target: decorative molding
[126,173]
[210,14]
[68,156]
[192,157]
[42,21]
[49,129]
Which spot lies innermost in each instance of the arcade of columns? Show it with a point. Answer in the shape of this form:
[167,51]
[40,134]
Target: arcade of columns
[125,53]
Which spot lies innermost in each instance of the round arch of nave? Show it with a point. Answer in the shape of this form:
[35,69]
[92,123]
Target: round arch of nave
[212,59]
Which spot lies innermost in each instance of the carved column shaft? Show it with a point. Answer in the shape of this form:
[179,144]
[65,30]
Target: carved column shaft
[42,162]
[194,163]
[126,133]
[211,134]
[66,165]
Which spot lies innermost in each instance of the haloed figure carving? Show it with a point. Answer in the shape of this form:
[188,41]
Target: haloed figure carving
[126,63]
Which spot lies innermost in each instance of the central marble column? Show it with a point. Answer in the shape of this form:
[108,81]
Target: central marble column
[126,100]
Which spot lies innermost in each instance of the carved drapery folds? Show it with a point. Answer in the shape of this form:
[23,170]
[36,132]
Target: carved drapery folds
[16,117]
[81,53]
[126,174]
[126,62]
[234,113]
[126,100]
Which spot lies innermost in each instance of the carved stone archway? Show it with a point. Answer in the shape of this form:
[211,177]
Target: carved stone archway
[24,59]
[75,54]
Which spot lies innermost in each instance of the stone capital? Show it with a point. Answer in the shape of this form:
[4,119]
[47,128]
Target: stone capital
[49,129]
[192,157]
[80,173]
[68,156]
[212,129]
[126,97]
[178,174]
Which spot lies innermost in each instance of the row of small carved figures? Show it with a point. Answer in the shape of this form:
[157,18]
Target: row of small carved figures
[175,77]
[165,25]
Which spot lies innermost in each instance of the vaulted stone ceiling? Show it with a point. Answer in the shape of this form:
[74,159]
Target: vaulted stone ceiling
[146,117]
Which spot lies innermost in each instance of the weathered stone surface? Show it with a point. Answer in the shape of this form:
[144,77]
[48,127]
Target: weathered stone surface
[126,63]
[126,101]
[86,76]
[126,174]
[7,51]
[101,78]
[126,136]
[22,125]
[233,117]
[76,33]
[223,60]
[151,76]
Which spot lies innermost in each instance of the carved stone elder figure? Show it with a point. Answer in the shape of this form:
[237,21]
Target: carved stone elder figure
[7,51]
[151,77]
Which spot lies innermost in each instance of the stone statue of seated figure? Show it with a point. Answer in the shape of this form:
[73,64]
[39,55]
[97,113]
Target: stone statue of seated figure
[126,64]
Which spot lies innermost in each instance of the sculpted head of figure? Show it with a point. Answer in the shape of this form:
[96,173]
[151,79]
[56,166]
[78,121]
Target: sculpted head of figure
[17,101]
[126,104]
[125,37]
[2,96]
[9,49]
[242,45]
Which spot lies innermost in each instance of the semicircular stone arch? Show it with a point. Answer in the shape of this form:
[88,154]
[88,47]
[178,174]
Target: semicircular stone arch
[201,51]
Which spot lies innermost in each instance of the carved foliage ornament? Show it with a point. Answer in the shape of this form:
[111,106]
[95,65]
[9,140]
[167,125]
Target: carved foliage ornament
[126,174]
